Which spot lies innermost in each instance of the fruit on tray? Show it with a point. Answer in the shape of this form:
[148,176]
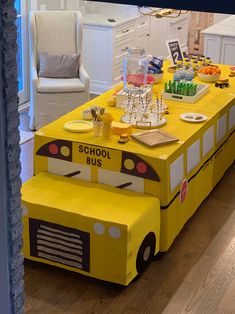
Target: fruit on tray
[210,70]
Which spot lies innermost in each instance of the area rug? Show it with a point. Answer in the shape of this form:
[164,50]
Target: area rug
[25,136]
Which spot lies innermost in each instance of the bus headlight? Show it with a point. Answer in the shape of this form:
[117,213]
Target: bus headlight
[99,228]
[114,232]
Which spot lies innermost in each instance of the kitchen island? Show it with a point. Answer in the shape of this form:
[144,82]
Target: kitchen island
[220,41]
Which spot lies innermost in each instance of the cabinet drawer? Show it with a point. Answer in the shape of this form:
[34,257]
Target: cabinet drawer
[126,31]
[142,26]
[120,48]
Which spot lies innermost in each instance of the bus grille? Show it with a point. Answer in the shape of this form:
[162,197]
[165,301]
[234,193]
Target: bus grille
[56,243]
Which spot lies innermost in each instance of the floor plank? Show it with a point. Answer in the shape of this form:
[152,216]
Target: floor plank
[227,304]
[204,287]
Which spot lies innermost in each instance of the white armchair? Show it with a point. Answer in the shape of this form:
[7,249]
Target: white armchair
[58,33]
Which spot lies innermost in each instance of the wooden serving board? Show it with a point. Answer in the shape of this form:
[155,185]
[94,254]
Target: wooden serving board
[155,137]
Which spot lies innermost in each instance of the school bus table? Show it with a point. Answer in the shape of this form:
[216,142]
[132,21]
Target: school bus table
[179,174]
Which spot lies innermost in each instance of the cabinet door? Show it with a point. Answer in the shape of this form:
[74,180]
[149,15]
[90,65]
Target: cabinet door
[228,51]
[97,57]
[143,41]
[158,37]
[142,33]
[212,47]
[124,32]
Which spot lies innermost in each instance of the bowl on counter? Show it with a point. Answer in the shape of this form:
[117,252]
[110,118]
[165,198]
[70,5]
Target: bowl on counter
[208,78]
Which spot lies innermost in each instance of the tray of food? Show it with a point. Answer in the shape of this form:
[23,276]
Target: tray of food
[185,92]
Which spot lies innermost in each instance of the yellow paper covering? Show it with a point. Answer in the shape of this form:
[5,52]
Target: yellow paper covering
[79,153]
[80,205]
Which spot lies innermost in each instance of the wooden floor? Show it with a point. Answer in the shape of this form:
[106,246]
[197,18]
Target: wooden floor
[197,274]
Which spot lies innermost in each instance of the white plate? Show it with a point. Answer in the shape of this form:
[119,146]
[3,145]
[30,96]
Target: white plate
[78,126]
[193,117]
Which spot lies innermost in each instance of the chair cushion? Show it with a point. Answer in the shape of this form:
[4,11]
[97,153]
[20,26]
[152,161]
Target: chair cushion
[59,85]
[58,66]
[57,32]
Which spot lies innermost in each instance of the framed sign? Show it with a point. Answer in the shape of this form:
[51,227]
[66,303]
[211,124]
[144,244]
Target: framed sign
[174,49]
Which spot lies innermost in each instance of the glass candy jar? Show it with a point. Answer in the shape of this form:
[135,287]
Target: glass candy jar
[135,70]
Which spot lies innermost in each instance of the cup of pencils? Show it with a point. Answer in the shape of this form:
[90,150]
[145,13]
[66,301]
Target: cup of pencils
[97,121]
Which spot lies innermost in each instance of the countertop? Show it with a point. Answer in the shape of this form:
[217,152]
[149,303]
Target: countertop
[225,27]
[103,20]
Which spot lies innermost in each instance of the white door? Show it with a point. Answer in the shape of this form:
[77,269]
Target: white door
[228,51]
[158,37]
[22,54]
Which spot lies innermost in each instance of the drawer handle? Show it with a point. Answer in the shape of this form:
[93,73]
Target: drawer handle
[142,23]
[179,28]
[125,30]
[125,49]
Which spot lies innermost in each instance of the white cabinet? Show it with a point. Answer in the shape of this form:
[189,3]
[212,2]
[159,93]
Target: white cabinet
[221,49]
[97,56]
[124,37]
[104,48]
[158,36]
[212,47]
[219,41]
[142,35]
[168,28]
[228,51]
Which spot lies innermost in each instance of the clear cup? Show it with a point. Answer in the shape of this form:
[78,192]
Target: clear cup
[97,128]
